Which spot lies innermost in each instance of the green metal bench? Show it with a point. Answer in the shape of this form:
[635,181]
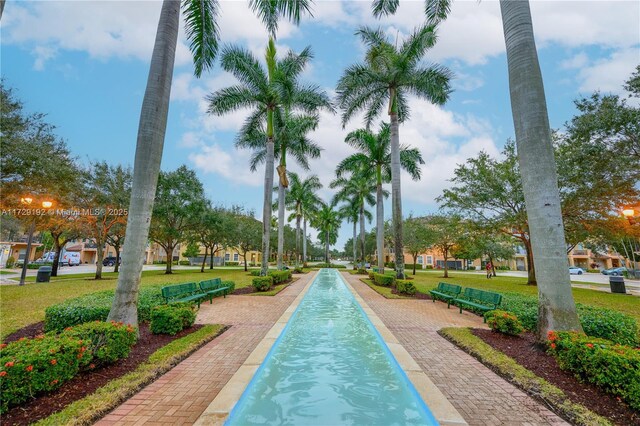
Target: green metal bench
[213,287]
[479,299]
[446,291]
[187,292]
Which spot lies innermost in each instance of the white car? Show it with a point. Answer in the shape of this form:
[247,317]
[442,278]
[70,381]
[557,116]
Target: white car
[574,270]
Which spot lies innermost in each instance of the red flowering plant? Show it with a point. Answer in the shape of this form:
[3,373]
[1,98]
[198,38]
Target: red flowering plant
[103,342]
[32,366]
[613,367]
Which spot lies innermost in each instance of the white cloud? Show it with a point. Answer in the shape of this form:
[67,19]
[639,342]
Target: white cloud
[577,61]
[233,166]
[609,74]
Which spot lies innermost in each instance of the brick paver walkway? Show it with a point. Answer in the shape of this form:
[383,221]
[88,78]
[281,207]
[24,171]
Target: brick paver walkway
[481,396]
[181,395]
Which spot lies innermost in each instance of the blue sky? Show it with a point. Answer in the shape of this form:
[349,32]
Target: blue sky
[85,64]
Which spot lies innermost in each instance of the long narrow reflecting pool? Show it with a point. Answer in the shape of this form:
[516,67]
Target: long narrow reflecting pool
[330,367]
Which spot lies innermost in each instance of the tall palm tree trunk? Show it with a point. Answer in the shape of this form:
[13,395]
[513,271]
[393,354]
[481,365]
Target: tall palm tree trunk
[396,198]
[326,248]
[151,131]
[556,307]
[380,224]
[355,242]
[362,235]
[281,191]
[266,211]
[297,239]
[304,241]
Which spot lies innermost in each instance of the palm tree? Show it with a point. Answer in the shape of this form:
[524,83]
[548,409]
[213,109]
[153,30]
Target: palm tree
[309,206]
[374,152]
[301,192]
[202,31]
[264,91]
[327,221]
[388,75]
[557,310]
[350,211]
[556,306]
[358,188]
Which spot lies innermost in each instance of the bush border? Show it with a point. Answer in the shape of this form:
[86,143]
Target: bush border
[93,407]
[535,386]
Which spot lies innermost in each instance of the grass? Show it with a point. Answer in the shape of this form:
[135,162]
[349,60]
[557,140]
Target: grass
[532,384]
[24,305]
[427,280]
[90,408]
[275,290]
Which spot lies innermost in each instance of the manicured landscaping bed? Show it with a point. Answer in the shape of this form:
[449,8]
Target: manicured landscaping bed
[533,357]
[392,292]
[108,386]
[539,388]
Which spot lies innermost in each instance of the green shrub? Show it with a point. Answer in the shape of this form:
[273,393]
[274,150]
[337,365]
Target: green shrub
[409,266]
[329,265]
[504,322]
[596,322]
[614,368]
[171,319]
[428,267]
[105,342]
[391,265]
[231,263]
[159,262]
[503,268]
[370,273]
[230,284]
[383,279]
[298,270]
[31,366]
[10,262]
[184,263]
[362,271]
[95,307]
[262,283]
[255,273]
[596,271]
[280,276]
[405,287]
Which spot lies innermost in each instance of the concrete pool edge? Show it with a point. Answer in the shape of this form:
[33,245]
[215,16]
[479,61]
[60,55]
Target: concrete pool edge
[218,410]
[444,412]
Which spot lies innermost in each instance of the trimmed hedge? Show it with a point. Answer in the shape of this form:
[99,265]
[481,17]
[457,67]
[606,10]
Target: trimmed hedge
[504,322]
[280,276]
[30,367]
[255,273]
[384,279]
[95,307]
[329,265]
[262,283]
[171,319]
[362,271]
[230,284]
[405,287]
[614,368]
[409,266]
[596,322]
[105,342]
[231,263]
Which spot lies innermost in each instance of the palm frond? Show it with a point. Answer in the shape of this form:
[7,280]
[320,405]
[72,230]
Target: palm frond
[241,63]
[415,46]
[410,160]
[201,28]
[384,7]
[437,10]
[432,84]
[231,99]
[270,11]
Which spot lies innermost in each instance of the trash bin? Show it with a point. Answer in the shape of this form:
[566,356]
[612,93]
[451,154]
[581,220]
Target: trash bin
[617,285]
[44,274]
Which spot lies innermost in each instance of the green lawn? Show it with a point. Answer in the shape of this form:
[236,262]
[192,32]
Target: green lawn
[427,280]
[21,306]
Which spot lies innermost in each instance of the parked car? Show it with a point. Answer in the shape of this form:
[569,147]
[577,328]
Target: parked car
[574,270]
[615,271]
[111,261]
[70,258]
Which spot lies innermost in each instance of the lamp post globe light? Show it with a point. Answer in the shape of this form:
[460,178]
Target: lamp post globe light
[27,201]
[632,214]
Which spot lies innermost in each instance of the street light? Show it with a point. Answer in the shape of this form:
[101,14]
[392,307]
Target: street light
[631,215]
[32,227]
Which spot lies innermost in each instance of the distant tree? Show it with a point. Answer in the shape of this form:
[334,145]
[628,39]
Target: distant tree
[447,233]
[327,221]
[192,250]
[211,231]
[418,237]
[301,193]
[179,203]
[107,190]
[116,240]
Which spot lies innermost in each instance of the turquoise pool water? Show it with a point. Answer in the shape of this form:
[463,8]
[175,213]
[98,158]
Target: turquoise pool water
[330,367]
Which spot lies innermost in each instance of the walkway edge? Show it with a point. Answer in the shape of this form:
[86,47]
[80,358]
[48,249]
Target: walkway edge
[218,410]
[444,412]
